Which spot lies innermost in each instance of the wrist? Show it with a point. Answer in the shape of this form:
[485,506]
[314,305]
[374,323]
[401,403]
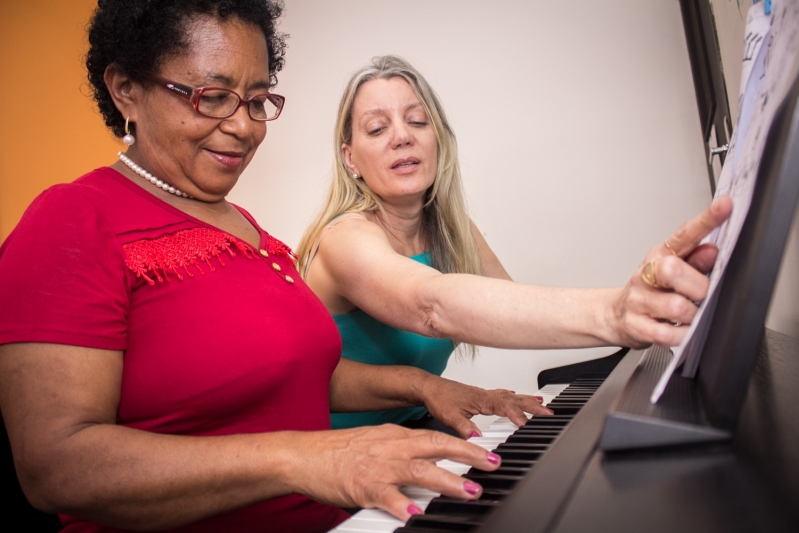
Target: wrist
[424,387]
[610,319]
[288,455]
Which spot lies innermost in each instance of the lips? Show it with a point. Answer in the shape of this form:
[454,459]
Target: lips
[405,163]
[227,159]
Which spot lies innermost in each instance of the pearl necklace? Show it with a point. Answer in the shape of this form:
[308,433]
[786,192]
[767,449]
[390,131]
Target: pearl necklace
[149,177]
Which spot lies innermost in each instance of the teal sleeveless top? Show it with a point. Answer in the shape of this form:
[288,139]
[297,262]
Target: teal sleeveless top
[367,340]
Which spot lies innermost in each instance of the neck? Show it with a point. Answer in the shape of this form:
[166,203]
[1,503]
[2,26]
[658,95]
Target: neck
[403,226]
[151,178]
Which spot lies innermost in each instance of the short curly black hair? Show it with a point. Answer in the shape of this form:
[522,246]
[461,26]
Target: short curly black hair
[138,35]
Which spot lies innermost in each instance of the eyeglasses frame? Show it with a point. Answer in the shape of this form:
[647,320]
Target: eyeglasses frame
[193,96]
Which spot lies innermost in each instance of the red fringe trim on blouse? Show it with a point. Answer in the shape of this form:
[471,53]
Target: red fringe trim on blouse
[177,251]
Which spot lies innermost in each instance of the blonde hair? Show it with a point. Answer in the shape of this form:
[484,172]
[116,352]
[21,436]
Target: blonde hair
[445,223]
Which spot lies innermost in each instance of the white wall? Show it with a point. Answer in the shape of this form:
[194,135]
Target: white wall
[577,124]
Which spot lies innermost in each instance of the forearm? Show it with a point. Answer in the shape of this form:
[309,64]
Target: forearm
[499,313]
[357,387]
[139,480]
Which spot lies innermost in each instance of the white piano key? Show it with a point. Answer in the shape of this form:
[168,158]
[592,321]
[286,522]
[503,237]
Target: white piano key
[376,521]
[370,521]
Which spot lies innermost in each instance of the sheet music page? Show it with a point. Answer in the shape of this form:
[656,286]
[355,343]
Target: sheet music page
[764,91]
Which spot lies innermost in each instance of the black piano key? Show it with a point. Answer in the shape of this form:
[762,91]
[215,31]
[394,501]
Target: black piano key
[576,397]
[519,453]
[494,481]
[453,506]
[504,470]
[541,423]
[518,463]
[531,439]
[439,522]
[545,431]
[554,405]
[513,453]
[550,420]
[495,495]
[531,447]
[563,409]
[417,529]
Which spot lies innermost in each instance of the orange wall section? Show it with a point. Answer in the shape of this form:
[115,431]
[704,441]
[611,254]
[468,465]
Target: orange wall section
[50,130]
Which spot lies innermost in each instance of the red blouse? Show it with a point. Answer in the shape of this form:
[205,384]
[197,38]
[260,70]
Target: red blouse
[218,338]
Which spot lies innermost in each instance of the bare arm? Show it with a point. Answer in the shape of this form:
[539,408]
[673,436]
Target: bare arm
[59,404]
[363,269]
[361,387]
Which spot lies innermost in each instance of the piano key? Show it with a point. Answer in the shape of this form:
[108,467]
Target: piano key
[441,523]
[444,505]
[497,432]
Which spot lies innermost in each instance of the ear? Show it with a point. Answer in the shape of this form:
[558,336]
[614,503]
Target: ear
[346,154]
[125,93]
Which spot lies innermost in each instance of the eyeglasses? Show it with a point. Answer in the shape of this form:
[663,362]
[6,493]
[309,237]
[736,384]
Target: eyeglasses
[215,102]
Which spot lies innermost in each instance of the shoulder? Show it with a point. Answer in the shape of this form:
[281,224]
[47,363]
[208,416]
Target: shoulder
[352,234]
[350,250]
[60,209]
[99,190]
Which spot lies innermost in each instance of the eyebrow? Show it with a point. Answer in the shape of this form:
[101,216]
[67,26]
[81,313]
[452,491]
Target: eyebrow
[214,77]
[381,110]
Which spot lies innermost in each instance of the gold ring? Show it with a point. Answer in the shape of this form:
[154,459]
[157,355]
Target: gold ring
[651,278]
[669,248]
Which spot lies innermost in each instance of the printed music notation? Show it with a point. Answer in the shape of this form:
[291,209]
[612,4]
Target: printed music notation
[771,61]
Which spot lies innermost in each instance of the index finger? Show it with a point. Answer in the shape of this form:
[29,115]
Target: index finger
[687,238]
[516,408]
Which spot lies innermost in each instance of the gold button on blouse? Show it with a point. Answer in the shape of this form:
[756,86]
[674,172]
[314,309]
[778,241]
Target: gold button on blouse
[263,252]
[289,279]
[276,266]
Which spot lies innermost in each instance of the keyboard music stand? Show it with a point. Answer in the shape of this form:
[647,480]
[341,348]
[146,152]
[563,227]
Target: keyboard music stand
[705,409]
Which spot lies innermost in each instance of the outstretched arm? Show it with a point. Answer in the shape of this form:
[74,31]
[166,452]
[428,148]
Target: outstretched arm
[361,265]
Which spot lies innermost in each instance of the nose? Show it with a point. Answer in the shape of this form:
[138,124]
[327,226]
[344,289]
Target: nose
[239,123]
[402,134]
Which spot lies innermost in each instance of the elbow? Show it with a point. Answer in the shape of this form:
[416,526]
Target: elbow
[49,487]
[40,485]
[433,324]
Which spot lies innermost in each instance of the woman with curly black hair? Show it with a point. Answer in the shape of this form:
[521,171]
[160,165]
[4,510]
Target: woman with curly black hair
[162,364]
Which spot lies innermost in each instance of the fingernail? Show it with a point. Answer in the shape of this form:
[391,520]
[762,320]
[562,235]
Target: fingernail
[474,434]
[471,487]
[539,398]
[492,458]
[413,510]
[512,392]
[550,411]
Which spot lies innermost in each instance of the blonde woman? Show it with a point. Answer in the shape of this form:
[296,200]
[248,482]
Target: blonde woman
[407,276]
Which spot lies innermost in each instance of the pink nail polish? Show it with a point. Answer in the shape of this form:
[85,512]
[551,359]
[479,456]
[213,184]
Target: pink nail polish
[474,434]
[550,411]
[539,398]
[471,487]
[492,458]
[413,510]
